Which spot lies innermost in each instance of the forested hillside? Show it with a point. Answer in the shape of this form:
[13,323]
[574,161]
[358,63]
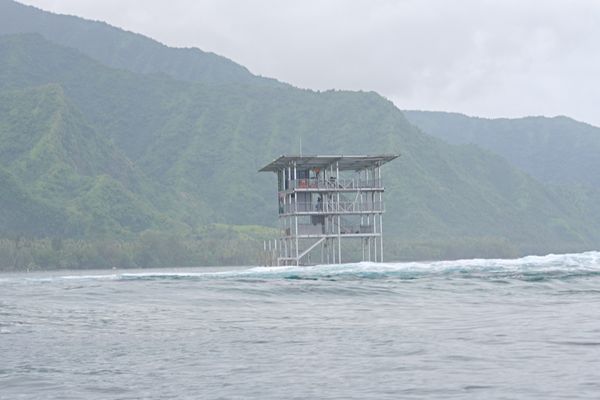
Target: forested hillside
[121,49]
[126,160]
[556,150]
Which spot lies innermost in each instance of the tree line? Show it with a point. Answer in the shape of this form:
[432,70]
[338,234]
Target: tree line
[151,249]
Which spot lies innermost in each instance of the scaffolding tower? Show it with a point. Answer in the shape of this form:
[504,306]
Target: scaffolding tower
[324,200]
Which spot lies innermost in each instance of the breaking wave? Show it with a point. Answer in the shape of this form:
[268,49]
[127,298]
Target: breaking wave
[530,268]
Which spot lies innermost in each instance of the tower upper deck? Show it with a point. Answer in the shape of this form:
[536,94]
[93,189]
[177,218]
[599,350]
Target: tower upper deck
[341,162]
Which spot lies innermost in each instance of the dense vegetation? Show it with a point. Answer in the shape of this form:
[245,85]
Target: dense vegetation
[556,150]
[101,158]
[215,245]
[125,50]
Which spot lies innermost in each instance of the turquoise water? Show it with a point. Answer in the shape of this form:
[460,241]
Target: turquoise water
[481,329]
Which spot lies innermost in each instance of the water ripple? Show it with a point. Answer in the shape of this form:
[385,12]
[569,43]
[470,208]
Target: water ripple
[493,329]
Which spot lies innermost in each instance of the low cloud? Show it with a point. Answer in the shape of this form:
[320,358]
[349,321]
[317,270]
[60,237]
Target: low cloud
[481,57]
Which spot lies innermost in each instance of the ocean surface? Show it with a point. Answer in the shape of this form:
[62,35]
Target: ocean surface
[470,329]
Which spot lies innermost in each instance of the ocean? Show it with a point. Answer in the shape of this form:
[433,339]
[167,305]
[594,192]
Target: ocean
[470,329]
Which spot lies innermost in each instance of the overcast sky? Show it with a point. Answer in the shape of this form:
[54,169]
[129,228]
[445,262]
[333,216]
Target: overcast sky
[481,57]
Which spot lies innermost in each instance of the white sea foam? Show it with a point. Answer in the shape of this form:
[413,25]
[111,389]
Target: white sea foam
[552,263]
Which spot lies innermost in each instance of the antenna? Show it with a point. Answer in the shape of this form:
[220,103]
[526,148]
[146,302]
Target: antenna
[300,145]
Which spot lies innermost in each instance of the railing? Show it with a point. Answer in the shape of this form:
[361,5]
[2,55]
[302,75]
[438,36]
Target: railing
[331,207]
[310,229]
[330,184]
[347,227]
[319,229]
[356,229]
[354,206]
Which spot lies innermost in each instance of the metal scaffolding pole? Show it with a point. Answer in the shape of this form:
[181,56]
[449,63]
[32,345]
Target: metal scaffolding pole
[380,215]
[337,179]
[296,216]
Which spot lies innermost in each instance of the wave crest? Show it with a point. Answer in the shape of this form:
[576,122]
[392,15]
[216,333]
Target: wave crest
[530,268]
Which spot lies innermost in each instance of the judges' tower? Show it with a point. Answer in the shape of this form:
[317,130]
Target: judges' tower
[324,200]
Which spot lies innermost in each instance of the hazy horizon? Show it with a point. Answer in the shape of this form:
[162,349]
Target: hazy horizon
[489,59]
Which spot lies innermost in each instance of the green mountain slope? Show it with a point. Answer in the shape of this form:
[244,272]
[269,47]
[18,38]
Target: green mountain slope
[21,213]
[556,150]
[202,145]
[48,148]
[121,49]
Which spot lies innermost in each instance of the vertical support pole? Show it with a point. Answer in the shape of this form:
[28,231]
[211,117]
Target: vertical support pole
[375,237]
[362,220]
[295,177]
[322,247]
[367,208]
[362,208]
[339,217]
[286,210]
[285,218]
[333,251]
[330,217]
[373,214]
[380,215]
[270,254]
[332,242]
[282,218]
[296,214]
[289,211]
[362,243]
[297,243]
[380,238]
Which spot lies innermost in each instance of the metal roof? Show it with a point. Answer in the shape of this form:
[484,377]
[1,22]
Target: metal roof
[345,163]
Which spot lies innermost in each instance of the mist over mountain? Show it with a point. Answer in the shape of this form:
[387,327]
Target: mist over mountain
[106,134]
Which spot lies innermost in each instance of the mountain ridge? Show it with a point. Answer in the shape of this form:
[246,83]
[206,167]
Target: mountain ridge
[556,150]
[119,48]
